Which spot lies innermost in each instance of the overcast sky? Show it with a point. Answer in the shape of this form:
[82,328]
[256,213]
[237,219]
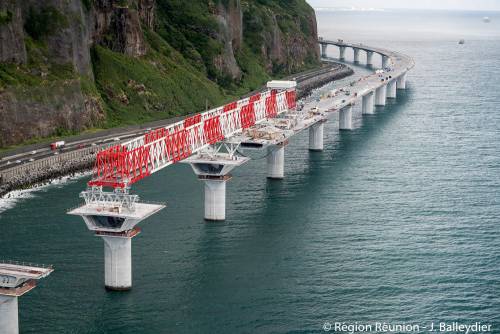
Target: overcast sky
[420,4]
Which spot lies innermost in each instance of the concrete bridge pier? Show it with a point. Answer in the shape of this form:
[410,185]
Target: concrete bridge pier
[276,162]
[356,55]
[118,262]
[368,104]
[342,53]
[323,50]
[391,89]
[385,61]
[316,137]
[380,95]
[9,319]
[345,118]
[15,280]
[114,217]
[401,81]
[369,58]
[213,168]
[215,199]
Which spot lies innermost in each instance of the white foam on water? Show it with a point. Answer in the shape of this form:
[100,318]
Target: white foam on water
[9,200]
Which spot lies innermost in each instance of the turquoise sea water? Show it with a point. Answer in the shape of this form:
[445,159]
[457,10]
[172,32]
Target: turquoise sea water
[396,221]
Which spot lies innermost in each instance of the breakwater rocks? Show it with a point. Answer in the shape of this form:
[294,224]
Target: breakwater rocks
[314,79]
[46,169]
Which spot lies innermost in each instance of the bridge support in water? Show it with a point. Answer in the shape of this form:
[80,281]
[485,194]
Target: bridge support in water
[401,81]
[391,89]
[323,50]
[213,168]
[356,55]
[118,260]
[368,104]
[385,61]
[9,318]
[113,217]
[369,58]
[16,280]
[316,136]
[342,53]
[345,118]
[276,161]
[380,95]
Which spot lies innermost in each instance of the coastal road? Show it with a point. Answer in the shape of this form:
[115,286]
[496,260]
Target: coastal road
[110,137]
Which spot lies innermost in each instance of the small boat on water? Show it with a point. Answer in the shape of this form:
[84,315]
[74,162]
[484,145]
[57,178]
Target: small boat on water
[486,19]
[461,42]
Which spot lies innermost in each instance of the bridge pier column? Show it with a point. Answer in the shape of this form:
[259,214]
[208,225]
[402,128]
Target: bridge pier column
[9,318]
[385,61]
[380,95]
[323,50]
[401,81]
[116,225]
[342,53]
[215,199]
[117,262]
[356,55]
[368,103]
[391,89]
[345,118]
[276,162]
[213,167]
[369,58]
[316,137]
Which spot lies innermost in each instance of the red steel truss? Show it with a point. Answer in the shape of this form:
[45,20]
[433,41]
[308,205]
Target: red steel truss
[122,165]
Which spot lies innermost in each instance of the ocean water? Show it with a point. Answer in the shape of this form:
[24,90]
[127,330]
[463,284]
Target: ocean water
[396,221]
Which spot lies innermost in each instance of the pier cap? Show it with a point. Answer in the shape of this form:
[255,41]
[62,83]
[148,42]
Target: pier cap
[102,217]
[281,84]
[17,278]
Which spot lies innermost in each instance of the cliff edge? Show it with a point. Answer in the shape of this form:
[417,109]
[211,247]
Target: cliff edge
[72,65]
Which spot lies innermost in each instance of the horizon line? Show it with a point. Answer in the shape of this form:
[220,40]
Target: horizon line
[401,8]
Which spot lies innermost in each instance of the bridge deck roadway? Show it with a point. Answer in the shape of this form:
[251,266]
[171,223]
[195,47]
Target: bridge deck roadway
[273,131]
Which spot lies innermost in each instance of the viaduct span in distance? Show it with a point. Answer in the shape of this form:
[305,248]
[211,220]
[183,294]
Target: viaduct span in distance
[209,142]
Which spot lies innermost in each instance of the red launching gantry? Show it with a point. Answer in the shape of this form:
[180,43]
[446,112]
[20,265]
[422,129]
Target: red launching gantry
[122,165]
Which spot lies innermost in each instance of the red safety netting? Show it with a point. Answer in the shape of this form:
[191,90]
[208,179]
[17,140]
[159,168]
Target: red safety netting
[247,116]
[190,121]
[177,145]
[213,130]
[271,107]
[291,97]
[231,106]
[116,166]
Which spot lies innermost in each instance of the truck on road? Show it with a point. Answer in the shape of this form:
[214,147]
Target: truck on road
[58,144]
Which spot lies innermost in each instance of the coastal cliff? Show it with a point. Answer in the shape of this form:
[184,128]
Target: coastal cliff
[71,65]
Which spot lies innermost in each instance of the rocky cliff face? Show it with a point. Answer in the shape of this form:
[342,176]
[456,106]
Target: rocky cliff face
[12,48]
[118,26]
[70,65]
[285,37]
[230,35]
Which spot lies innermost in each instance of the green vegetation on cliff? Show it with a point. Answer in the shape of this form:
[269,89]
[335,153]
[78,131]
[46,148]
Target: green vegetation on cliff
[86,64]
[159,85]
